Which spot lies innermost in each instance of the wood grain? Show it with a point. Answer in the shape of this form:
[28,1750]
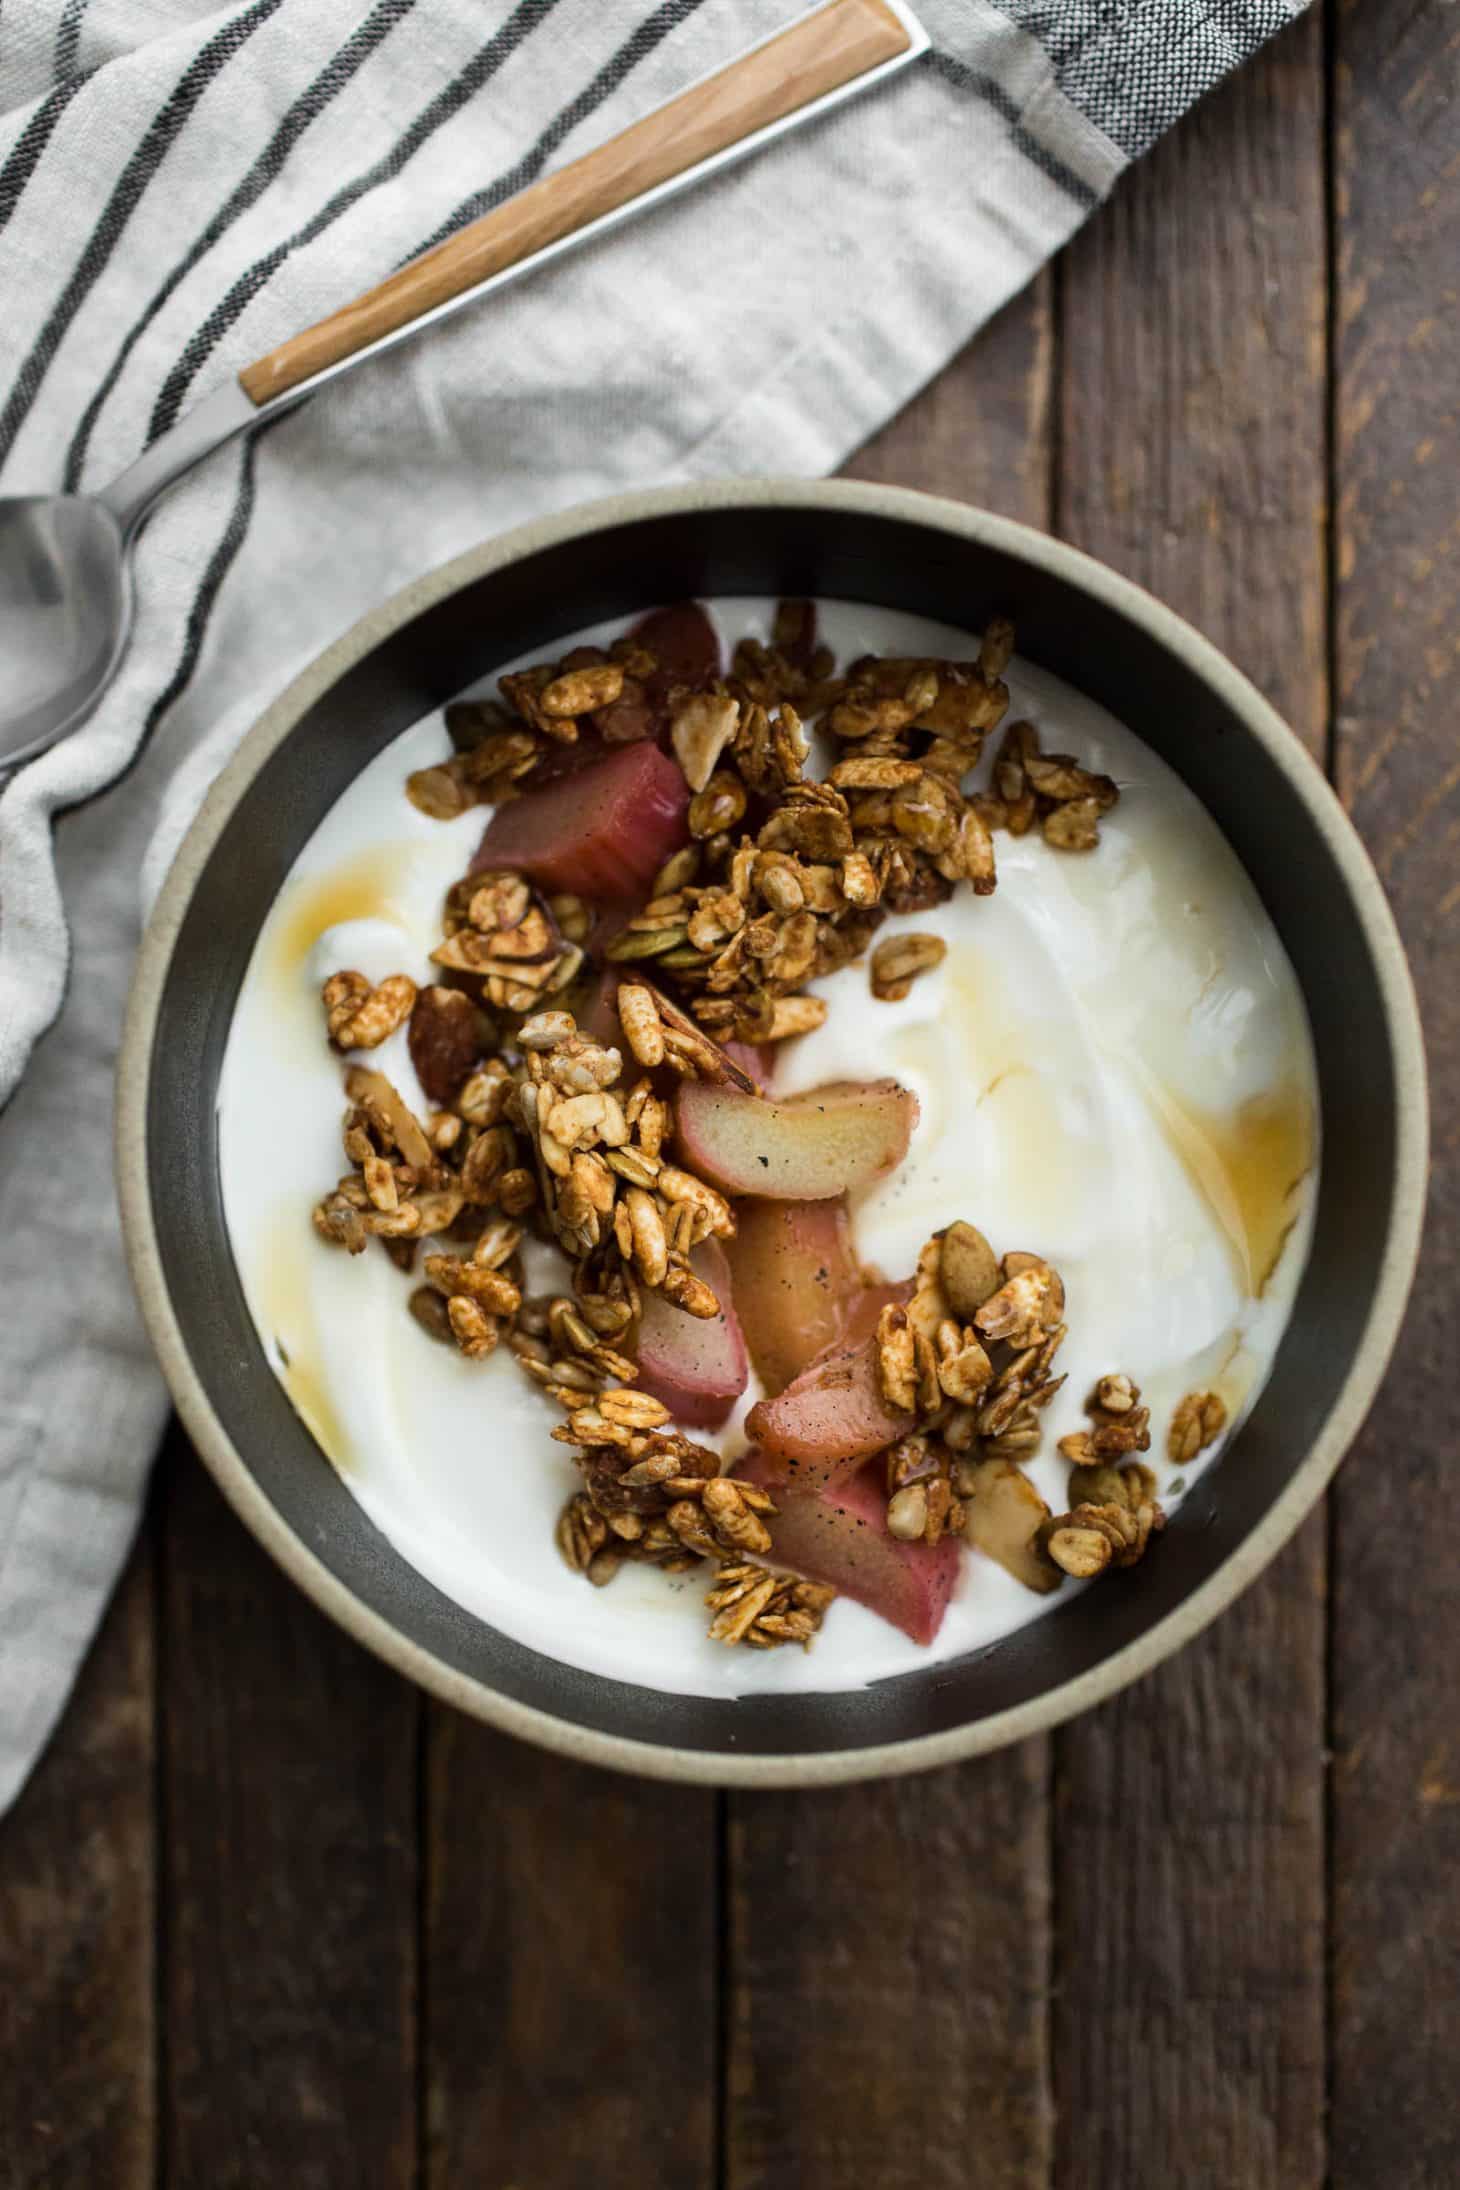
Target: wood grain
[889,1944]
[1396,1590]
[826,49]
[889,1963]
[288,1876]
[77,1911]
[1189,1883]
[572,1944]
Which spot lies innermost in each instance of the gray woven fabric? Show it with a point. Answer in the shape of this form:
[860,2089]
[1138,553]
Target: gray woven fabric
[181,186]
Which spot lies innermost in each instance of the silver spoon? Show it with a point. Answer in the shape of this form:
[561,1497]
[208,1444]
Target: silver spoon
[65,576]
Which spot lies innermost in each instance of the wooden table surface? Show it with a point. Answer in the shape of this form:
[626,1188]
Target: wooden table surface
[268,1917]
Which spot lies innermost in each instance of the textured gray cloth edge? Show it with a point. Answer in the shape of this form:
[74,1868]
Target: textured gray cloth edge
[1135,66]
[181,187]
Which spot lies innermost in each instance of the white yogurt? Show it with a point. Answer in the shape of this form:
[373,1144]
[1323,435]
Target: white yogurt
[1114,1069]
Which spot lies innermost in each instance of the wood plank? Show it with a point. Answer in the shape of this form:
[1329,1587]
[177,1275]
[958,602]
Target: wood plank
[889,1944]
[77,2034]
[289,1884]
[1189,2025]
[1396,1604]
[1189,2014]
[889,1957]
[572,1958]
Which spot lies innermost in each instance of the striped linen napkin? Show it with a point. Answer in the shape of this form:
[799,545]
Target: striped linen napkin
[182,185]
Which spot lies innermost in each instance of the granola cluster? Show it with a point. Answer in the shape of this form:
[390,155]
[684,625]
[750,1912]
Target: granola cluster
[970,1356]
[1110,1523]
[504,746]
[900,959]
[1050,789]
[411,1178]
[548,1127]
[521,946]
[787,877]
[656,1498]
[765,1610]
[614,1203]
[1119,1425]
[1198,1421]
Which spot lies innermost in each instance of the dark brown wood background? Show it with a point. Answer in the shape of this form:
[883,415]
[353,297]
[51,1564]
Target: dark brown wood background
[268,1917]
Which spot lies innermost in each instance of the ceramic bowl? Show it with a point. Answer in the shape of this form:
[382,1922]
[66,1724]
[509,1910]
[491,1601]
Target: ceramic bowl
[898,550]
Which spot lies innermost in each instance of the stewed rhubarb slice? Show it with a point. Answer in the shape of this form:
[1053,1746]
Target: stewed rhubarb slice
[808,1147]
[756,1059]
[603,832]
[695,1364]
[596,1013]
[833,1416]
[684,642]
[796,1280]
[838,1534]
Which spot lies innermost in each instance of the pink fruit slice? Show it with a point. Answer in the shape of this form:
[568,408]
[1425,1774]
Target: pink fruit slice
[795,633]
[838,1534]
[756,1059]
[696,1365]
[596,1013]
[796,1279]
[603,832]
[684,640]
[833,1416]
[808,1147]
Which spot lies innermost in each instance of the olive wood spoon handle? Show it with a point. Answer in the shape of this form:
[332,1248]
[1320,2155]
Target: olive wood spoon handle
[830,51]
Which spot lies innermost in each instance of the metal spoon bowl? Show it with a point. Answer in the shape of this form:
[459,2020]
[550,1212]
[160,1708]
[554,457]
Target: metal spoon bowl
[65,614]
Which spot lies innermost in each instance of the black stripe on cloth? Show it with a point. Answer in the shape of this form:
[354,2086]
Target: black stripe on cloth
[32,141]
[992,93]
[634,49]
[220,562]
[200,610]
[68,38]
[144,163]
[524,19]
[311,103]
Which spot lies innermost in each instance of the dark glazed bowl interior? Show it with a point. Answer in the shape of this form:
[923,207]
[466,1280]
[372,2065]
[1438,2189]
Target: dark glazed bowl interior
[892,551]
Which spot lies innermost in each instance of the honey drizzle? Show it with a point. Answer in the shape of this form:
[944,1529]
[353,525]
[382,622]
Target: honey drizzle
[1247,1164]
[362,888]
[286,1313]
